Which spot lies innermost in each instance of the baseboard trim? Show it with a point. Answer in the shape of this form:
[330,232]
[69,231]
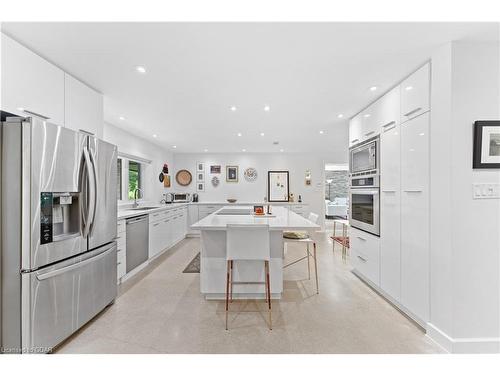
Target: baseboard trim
[473,345]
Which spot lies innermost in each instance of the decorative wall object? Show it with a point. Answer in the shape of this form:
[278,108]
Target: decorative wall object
[200,167]
[486,145]
[164,177]
[166,181]
[308,177]
[215,169]
[231,173]
[278,186]
[183,177]
[200,177]
[200,186]
[250,174]
[215,181]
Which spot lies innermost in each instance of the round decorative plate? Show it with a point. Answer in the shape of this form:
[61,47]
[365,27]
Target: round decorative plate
[250,174]
[215,181]
[183,177]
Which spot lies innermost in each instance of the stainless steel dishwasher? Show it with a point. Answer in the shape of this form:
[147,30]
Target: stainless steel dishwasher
[137,241]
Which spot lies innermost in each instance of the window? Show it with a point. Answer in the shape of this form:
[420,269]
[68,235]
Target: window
[134,178]
[119,179]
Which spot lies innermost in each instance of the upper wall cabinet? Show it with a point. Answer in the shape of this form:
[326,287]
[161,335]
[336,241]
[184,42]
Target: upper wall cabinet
[415,94]
[388,110]
[30,83]
[83,107]
[355,130]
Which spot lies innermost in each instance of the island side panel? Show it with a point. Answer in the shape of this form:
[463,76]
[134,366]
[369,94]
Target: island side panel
[213,268]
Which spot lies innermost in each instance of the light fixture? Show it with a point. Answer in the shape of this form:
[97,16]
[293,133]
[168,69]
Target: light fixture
[154,136]
[421,134]
[174,146]
[233,108]
[122,118]
[239,134]
[206,150]
[140,69]
[244,149]
[367,115]
[408,88]
[262,134]
[267,108]
[340,115]
[321,132]
[373,88]
[281,150]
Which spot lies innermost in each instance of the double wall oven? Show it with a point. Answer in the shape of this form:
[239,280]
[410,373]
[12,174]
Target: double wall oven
[364,192]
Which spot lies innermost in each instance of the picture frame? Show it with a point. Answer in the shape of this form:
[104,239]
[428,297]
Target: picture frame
[200,177]
[200,186]
[232,173]
[215,169]
[486,150]
[278,186]
[200,166]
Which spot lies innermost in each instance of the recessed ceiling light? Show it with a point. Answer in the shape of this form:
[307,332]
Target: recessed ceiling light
[20,109]
[239,134]
[233,108]
[174,146]
[206,150]
[267,108]
[408,88]
[154,136]
[340,115]
[122,118]
[262,134]
[140,69]
[367,115]
[373,88]
[421,134]
[244,149]
[321,132]
[282,150]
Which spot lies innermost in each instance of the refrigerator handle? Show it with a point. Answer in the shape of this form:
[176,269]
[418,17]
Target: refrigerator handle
[91,200]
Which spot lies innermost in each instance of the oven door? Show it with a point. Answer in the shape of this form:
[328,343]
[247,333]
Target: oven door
[364,158]
[364,210]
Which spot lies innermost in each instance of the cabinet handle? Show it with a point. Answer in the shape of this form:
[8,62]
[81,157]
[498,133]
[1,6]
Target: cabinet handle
[413,111]
[369,133]
[166,221]
[354,140]
[388,191]
[155,225]
[361,238]
[35,114]
[363,259]
[118,263]
[412,191]
[388,126]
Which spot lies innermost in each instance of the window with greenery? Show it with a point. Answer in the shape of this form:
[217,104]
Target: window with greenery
[134,178]
[119,178]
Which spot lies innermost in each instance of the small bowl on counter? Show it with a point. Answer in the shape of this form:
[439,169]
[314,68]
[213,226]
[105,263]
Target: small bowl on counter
[231,200]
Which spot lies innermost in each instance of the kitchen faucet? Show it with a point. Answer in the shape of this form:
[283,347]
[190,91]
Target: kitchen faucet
[135,197]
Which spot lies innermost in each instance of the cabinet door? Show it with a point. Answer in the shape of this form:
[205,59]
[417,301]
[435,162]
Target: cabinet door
[415,94]
[155,233]
[369,125]
[415,216]
[389,109]
[83,107]
[355,130]
[390,158]
[166,236]
[30,83]
[365,256]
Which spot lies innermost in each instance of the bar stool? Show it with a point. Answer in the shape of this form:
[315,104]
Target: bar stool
[247,243]
[303,237]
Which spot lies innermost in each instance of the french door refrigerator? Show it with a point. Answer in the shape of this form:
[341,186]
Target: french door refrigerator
[58,225]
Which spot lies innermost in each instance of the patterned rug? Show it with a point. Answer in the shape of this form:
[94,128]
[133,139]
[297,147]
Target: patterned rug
[193,266]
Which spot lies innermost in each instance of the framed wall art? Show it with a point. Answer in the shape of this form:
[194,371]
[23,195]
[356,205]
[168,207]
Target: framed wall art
[215,169]
[486,153]
[231,173]
[278,189]
[200,167]
[200,186]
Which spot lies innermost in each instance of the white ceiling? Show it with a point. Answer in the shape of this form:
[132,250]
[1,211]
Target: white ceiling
[307,73]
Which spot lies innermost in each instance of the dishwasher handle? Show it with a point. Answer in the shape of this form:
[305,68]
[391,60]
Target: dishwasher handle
[136,219]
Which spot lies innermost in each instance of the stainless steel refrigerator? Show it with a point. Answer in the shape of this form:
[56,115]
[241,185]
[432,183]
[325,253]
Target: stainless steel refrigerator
[58,223]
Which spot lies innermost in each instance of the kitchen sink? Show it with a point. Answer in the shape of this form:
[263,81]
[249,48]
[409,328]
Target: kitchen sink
[143,208]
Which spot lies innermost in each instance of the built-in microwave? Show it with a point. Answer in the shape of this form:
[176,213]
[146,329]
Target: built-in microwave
[363,158]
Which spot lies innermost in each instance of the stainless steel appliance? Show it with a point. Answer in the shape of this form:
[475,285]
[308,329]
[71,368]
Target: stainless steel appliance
[364,158]
[364,201]
[182,197]
[169,198]
[58,221]
[195,197]
[137,241]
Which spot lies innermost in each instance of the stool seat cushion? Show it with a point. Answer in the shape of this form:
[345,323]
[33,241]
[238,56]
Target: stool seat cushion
[295,235]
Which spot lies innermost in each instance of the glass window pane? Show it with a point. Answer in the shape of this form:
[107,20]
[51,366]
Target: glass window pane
[134,178]
[119,179]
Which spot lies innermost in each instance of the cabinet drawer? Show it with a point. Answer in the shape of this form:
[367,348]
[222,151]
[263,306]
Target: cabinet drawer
[365,257]
[121,242]
[156,216]
[120,226]
[415,94]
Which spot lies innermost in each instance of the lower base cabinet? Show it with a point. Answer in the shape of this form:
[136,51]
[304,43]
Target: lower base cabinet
[365,254]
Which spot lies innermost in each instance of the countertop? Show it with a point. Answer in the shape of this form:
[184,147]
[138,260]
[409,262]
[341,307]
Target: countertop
[283,219]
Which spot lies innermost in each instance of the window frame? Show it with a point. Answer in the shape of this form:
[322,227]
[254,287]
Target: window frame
[143,165]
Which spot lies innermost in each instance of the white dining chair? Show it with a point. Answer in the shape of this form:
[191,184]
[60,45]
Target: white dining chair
[304,237]
[247,243]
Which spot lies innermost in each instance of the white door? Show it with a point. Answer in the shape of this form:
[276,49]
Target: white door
[415,216]
[390,212]
[415,94]
[355,130]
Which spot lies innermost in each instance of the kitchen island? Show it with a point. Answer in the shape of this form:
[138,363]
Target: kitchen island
[213,251]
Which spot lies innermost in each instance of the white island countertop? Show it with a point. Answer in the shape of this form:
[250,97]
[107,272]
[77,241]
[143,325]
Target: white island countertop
[282,219]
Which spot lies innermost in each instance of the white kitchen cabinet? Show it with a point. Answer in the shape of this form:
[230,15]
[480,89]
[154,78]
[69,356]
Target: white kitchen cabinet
[369,125]
[415,94]
[83,107]
[388,109]
[30,83]
[415,216]
[365,254]
[390,211]
[355,130]
[156,237]
[121,251]
[206,209]
[192,218]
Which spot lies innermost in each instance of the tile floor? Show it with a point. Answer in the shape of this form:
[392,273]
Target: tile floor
[161,311]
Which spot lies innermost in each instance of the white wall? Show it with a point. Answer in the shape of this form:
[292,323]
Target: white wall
[296,164]
[465,233]
[135,146]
